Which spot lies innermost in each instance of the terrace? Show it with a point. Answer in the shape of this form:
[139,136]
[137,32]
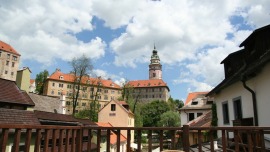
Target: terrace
[45,138]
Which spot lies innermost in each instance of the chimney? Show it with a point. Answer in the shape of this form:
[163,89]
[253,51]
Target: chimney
[63,103]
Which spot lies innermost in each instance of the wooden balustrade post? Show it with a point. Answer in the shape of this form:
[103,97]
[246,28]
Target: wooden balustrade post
[128,140]
[139,140]
[186,138]
[4,139]
[79,136]
[149,140]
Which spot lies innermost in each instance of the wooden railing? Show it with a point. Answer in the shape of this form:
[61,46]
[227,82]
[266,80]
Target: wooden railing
[78,138]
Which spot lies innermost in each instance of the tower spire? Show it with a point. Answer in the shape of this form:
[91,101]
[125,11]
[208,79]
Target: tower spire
[155,68]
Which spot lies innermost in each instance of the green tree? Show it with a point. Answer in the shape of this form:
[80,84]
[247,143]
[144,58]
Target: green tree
[40,81]
[152,111]
[81,67]
[169,119]
[83,114]
[214,121]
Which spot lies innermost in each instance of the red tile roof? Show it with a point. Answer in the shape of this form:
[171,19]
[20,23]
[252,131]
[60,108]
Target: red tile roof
[10,93]
[202,121]
[14,116]
[6,47]
[147,83]
[193,95]
[70,78]
[113,138]
[32,81]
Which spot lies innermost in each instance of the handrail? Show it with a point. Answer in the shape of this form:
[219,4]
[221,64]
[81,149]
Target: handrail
[80,138]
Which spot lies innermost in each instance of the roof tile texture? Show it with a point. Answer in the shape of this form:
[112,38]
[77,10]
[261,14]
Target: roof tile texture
[14,116]
[93,81]
[147,83]
[6,47]
[10,93]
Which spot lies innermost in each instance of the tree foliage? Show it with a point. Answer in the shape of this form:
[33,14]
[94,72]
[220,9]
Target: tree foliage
[82,114]
[169,119]
[81,66]
[214,121]
[40,81]
[152,111]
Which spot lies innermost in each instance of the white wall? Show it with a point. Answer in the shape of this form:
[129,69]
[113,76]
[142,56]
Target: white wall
[262,89]
[261,85]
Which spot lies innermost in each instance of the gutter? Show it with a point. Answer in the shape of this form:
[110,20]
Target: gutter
[254,101]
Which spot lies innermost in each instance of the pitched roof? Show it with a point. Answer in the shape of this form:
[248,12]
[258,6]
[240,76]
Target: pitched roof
[93,81]
[193,95]
[6,47]
[254,33]
[113,138]
[121,104]
[54,116]
[202,121]
[46,103]
[10,93]
[14,116]
[147,83]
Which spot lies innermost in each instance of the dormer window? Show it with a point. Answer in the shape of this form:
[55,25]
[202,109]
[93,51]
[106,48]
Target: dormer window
[88,82]
[112,85]
[61,77]
[194,102]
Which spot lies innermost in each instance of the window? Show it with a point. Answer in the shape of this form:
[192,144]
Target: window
[225,110]
[83,104]
[154,74]
[199,114]
[13,64]
[61,77]
[190,116]
[112,91]
[84,88]
[98,97]
[14,58]
[160,96]
[92,96]
[52,92]
[69,86]
[6,72]
[53,84]
[194,102]
[59,93]
[8,56]
[92,89]
[99,90]
[113,107]
[7,63]
[12,73]
[237,107]
[68,103]
[61,85]
[153,96]
[84,95]
[106,91]
[153,90]
[105,97]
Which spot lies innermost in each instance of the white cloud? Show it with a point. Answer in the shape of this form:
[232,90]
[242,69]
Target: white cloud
[105,75]
[45,30]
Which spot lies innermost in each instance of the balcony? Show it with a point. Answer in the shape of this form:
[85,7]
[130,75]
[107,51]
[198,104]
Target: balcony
[41,138]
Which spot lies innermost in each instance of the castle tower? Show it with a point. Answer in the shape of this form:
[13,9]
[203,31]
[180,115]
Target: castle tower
[155,68]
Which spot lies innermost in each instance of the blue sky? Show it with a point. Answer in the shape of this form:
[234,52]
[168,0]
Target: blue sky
[191,38]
